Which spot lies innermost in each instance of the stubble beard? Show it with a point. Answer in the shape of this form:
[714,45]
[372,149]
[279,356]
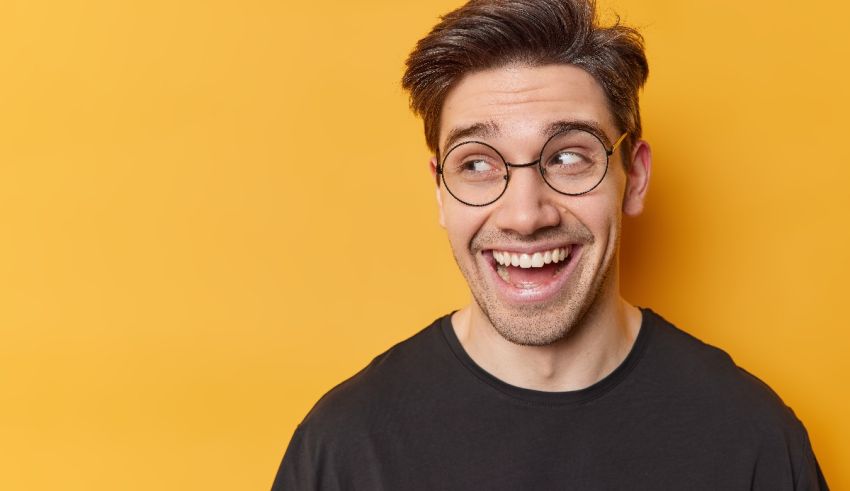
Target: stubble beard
[547,322]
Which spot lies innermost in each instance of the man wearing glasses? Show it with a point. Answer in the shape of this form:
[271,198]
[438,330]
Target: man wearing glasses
[549,379]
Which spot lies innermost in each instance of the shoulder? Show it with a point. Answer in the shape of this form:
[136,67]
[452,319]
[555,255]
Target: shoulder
[392,377]
[333,446]
[728,406]
[708,379]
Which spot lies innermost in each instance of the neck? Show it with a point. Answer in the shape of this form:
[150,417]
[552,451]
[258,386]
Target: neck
[592,350]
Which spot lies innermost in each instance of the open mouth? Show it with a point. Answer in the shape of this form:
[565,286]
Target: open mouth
[531,271]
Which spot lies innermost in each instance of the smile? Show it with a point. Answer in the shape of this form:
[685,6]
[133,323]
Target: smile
[531,275]
[534,260]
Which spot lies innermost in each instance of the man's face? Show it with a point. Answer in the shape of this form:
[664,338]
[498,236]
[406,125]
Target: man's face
[514,109]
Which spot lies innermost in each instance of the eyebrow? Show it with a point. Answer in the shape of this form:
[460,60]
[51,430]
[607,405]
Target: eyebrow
[589,126]
[486,129]
[489,129]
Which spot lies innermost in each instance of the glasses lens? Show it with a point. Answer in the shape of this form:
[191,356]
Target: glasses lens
[574,162]
[474,173]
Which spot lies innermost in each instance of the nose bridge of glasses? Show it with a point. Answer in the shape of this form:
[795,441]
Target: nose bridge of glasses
[528,164]
[512,175]
[534,164]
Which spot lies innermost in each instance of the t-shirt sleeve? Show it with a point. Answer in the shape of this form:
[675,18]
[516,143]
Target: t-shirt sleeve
[788,463]
[297,471]
[810,477]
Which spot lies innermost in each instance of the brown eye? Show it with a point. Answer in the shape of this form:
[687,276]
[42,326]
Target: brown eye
[566,158]
[477,165]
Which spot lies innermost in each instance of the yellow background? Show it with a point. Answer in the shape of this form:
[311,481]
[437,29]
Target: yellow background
[212,212]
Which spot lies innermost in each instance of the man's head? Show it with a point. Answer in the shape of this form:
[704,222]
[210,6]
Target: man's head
[513,75]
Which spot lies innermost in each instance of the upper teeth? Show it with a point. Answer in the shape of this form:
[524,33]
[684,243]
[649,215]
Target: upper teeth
[535,260]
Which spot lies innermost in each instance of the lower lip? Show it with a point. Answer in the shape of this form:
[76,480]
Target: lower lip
[540,293]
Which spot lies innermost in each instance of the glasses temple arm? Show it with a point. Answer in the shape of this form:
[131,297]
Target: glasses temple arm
[617,143]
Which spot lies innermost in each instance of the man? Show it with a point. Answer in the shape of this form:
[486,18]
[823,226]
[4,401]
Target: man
[549,379]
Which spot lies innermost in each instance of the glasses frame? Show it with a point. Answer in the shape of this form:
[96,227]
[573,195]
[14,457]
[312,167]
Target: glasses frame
[509,165]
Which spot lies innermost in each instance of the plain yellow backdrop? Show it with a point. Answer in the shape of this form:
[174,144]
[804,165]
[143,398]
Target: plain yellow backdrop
[211,212]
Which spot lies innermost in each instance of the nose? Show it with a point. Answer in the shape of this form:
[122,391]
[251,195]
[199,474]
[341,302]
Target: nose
[527,205]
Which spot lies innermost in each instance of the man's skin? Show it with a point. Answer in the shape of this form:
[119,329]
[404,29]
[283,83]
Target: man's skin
[569,331]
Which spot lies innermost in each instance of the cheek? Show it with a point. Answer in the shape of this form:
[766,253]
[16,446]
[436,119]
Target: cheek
[599,214]
[462,224]
[605,210]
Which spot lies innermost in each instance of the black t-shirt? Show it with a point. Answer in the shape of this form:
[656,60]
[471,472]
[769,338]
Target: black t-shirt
[676,414]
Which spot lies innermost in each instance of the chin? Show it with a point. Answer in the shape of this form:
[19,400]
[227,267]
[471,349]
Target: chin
[535,325]
[545,321]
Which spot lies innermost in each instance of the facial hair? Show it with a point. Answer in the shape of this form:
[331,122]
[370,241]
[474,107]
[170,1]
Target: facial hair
[547,322]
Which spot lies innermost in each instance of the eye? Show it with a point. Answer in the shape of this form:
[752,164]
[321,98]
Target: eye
[569,163]
[566,158]
[476,165]
[473,162]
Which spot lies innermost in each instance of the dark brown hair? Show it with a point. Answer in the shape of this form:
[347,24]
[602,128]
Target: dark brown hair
[491,33]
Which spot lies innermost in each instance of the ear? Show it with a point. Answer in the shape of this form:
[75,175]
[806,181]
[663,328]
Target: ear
[433,165]
[637,179]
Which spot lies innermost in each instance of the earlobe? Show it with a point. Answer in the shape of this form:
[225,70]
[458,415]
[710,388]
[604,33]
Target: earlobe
[637,183]
[433,165]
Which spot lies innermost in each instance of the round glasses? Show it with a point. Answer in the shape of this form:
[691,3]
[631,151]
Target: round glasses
[572,162]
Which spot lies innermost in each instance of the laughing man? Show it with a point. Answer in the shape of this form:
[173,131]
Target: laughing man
[550,379]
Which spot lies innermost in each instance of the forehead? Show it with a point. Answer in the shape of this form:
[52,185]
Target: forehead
[522,101]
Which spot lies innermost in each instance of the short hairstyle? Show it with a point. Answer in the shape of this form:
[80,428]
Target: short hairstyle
[486,34]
